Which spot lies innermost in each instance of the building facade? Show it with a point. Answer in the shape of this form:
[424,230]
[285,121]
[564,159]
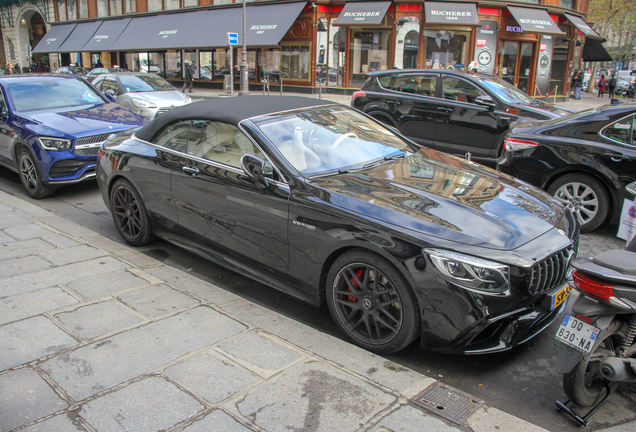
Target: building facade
[533,44]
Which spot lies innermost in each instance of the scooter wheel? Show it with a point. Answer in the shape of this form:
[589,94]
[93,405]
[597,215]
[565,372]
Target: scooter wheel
[582,385]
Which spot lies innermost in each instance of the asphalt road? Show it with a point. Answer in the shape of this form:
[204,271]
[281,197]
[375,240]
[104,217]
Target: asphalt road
[522,382]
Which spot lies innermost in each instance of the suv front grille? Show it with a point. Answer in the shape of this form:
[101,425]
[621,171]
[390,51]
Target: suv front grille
[87,151]
[93,139]
[550,272]
[89,146]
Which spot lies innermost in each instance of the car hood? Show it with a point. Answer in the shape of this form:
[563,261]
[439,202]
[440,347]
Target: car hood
[162,98]
[96,119]
[446,197]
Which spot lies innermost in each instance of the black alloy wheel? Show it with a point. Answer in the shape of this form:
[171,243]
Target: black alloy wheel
[584,196]
[129,214]
[31,176]
[372,303]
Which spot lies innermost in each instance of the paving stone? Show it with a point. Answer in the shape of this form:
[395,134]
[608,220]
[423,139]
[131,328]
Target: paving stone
[65,226]
[99,319]
[59,423]
[14,266]
[31,304]
[314,396]
[210,377]
[30,339]
[202,289]
[217,421]
[157,300]
[260,351]
[24,206]
[10,219]
[409,419]
[491,419]
[5,238]
[4,208]
[152,404]
[62,240]
[26,397]
[73,254]
[23,248]
[99,366]
[121,250]
[59,275]
[102,286]
[25,232]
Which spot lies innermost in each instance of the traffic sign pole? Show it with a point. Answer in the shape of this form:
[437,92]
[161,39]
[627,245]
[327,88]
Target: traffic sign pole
[232,39]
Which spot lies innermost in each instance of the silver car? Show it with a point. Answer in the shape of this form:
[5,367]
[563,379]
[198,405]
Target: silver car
[146,94]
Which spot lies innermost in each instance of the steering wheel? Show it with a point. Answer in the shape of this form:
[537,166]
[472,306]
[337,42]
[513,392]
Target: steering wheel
[341,138]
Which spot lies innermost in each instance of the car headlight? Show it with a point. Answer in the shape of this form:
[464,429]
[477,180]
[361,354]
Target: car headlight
[631,188]
[188,100]
[143,104]
[470,272]
[53,144]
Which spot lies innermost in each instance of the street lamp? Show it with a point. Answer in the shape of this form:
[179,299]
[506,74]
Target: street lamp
[244,91]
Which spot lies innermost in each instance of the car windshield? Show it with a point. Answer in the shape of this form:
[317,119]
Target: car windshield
[144,83]
[50,93]
[332,140]
[505,91]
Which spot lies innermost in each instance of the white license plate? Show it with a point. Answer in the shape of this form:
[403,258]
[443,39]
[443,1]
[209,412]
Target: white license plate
[577,334]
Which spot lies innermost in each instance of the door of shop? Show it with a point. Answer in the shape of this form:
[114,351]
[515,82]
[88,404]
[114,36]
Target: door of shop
[516,60]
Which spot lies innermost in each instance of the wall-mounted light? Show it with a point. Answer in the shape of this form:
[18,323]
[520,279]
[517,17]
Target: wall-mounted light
[23,20]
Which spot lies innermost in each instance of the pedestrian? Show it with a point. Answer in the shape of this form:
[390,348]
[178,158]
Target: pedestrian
[10,68]
[611,85]
[577,83]
[40,67]
[16,68]
[99,64]
[601,86]
[189,73]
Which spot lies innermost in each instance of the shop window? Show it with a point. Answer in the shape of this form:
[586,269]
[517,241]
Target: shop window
[132,62]
[270,64]
[61,10]
[151,63]
[154,5]
[294,61]
[83,9]
[172,63]
[407,43]
[102,8]
[131,6]
[560,64]
[116,7]
[172,4]
[445,49]
[369,52]
[336,54]
[206,63]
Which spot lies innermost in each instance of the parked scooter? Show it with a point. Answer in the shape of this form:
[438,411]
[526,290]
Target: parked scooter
[597,335]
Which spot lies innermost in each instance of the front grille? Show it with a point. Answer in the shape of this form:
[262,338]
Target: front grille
[550,272]
[66,167]
[93,139]
[87,151]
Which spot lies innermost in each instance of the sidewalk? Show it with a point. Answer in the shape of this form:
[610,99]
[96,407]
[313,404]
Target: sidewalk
[98,337]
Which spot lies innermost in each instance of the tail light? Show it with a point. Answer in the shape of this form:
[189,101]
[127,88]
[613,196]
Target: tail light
[358,94]
[516,144]
[592,287]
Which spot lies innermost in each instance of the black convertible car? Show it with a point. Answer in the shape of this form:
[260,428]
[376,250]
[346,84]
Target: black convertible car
[324,203]
[587,160]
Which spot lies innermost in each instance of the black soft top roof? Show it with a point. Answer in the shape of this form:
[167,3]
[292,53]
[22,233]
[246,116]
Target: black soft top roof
[230,110]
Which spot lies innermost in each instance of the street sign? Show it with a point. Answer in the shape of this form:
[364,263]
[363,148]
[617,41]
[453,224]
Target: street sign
[232,38]
[27,49]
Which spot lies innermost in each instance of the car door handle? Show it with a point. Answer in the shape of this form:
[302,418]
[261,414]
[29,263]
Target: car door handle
[617,157]
[190,170]
[394,103]
[444,109]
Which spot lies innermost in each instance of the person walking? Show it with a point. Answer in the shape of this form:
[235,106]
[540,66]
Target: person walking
[611,85]
[601,86]
[189,73]
[577,83]
[10,68]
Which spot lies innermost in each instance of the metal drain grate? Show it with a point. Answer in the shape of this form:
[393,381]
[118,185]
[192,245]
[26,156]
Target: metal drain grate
[450,403]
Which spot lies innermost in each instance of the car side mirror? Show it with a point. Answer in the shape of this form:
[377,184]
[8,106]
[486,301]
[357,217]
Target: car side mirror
[485,101]
[110,95]
[253,168]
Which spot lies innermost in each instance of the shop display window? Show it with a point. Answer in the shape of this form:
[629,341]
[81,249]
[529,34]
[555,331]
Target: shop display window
[295,60]
[370,51]
[559,73]
[407,43]
[336,54]
[444,49]
[172,63]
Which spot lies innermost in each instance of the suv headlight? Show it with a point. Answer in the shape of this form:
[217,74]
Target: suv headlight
[470,272]
[143,104]
[53,144]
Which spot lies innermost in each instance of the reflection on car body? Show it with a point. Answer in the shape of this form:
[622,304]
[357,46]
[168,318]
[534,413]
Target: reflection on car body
[326,204]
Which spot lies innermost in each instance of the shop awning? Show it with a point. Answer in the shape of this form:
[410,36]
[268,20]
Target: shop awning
[106,35]
[153,32]
[54,38]
[80,35]
[583,26]
[451,13]
[593,50]
[362,13]
[534,20]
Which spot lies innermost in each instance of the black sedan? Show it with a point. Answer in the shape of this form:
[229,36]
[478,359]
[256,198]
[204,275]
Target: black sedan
[322,202]
[586,160]
[449,110]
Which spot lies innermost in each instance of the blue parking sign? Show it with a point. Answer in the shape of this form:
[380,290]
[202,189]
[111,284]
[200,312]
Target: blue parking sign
[232,38]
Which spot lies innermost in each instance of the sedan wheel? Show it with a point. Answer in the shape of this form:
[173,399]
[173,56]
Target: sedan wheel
[584,196]
[129,214]
[30,175]
[372,303]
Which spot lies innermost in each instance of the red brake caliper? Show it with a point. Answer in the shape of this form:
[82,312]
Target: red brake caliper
[353,299]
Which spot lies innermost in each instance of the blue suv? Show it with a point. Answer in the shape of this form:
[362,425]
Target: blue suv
[52,127]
